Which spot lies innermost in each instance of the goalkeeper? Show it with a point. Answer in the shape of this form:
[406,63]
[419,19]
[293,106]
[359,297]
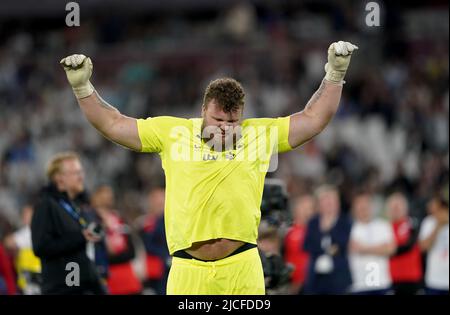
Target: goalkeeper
[214,170]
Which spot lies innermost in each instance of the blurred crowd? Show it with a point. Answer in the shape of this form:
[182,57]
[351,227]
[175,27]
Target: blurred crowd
[328,250]
[389,138]
[320,249]
[131,258]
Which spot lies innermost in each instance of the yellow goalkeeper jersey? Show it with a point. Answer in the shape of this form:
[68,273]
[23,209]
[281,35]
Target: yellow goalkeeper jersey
[212,194]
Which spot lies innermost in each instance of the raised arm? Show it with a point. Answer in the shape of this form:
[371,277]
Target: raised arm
[104,117]
[324,103]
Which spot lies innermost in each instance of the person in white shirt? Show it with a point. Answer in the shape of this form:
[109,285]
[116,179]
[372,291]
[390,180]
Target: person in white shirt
[433,239]
[371,243]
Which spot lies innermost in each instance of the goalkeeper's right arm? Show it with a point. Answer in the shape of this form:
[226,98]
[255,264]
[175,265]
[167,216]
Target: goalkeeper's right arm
[104,117]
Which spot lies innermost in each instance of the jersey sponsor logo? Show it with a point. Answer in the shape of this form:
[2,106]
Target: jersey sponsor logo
[210,157]
[254,143]
[230,156]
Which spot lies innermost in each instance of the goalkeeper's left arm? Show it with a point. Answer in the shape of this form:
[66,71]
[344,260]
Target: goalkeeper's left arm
[324,103]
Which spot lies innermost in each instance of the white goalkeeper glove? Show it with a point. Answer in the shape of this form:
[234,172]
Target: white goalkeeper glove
[339,55]
[79,70]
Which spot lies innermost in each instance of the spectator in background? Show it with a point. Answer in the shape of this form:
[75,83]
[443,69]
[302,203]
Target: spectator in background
[326,242]
[371,243]
[28,266]
[406,262]
[7,277]
[302,211]
[153,236]
[433,240]
[61,235]
[121,275]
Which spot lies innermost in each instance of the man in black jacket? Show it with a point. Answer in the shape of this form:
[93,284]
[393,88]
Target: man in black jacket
[61,235]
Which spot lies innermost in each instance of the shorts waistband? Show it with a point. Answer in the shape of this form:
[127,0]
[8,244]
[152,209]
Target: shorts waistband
[183,254]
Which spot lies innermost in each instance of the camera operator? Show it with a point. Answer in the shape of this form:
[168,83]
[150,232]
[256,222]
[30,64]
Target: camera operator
[276,272]
[271,232]
[62,237]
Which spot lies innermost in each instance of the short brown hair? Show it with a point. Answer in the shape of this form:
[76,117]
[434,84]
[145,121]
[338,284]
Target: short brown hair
[54,166]
[227,92]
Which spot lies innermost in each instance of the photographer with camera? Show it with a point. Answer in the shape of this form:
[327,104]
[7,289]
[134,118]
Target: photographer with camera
[62,237]
[274,224]
[276,272]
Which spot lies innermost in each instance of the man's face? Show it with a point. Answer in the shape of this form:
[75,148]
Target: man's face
[304,209]
[71,177]
[27,214]
[433,206]
[439,212]
[397,208]
[329,203]
[104,198]
[362,208]
[220,128]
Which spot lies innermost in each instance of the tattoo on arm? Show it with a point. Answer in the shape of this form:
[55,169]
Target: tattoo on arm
[105,104]
[316,96]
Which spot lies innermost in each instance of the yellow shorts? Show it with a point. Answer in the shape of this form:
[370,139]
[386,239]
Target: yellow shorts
[240,274]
